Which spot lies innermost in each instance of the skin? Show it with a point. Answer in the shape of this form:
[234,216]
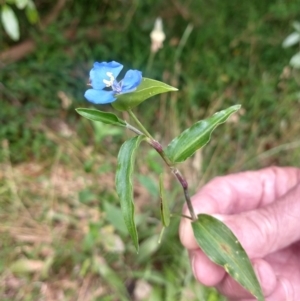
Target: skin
[262,208]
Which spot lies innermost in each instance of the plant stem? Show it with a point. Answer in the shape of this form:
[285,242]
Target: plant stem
[146,133]
[158,147]
[184,184]
[150,62]
[132,128]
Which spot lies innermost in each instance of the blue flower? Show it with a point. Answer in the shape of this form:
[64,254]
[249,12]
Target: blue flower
[104,84]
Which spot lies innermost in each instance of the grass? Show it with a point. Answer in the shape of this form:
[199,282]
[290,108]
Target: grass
[61,233]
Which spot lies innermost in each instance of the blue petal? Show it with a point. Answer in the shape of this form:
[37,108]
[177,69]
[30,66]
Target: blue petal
[131,80]
[99,73]
[99,96]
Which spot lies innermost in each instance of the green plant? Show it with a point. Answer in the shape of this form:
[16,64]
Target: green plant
[213,236]
[233,55]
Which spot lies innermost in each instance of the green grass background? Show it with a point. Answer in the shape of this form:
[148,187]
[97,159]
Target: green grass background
[61,232]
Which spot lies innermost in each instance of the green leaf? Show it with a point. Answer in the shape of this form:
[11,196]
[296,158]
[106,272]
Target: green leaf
[147,88]
[223,248]
[164,208]
[195,137]
[10,22]
[124,187]
[105,117]
[31,12]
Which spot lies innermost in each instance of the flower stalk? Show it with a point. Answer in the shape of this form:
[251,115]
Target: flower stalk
[143,129]
[184,184]
[158,147]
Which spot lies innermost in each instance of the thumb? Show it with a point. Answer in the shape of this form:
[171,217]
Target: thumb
[269,228]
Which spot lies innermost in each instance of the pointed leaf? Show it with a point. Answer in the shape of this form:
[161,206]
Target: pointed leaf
[164,208]
[291,40]
[147,88]
[195,137]
[105,117]
[219,243]
[124,184]
[10,22]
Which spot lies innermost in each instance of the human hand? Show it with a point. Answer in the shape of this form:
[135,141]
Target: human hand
[262,208]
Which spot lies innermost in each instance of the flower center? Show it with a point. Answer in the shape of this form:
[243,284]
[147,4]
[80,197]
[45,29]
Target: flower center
[109,83]
[116,87]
